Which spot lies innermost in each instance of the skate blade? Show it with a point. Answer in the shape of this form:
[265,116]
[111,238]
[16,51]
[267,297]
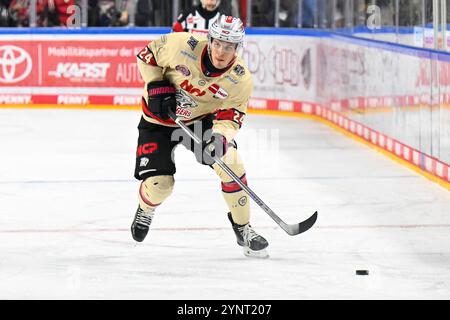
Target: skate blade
[261,254]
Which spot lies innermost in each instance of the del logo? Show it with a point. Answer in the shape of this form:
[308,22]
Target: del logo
[186,86]
[80,70]
[147,148]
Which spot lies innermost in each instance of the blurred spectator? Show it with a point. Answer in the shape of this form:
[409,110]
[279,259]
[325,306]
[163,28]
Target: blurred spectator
[57,12]
[5,18]
[339,18]
[387,12]
[92,12]
[263,13]
[144,10]
[411,13]
[163,13]
[112,13]
[153,13]
[229,8]
[308,13]
[184,5]
[159,12]
[287,17]
[199,18]
[19,12]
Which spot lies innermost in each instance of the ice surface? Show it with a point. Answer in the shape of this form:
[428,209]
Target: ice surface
[68,197]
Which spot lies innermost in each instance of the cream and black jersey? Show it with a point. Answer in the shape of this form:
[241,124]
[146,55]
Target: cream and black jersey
[196,20]
[178,58]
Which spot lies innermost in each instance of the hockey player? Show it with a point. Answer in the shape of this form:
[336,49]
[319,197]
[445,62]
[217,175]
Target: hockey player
[199,18]
[207,85]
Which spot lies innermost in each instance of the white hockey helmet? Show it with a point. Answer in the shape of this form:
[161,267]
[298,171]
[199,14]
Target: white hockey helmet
[204,5]
[227,28]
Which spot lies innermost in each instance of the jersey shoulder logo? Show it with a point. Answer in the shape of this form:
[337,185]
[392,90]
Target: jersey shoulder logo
[239,70]
[181,68]
[192,42]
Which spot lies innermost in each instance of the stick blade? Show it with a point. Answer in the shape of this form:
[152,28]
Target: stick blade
[294,229]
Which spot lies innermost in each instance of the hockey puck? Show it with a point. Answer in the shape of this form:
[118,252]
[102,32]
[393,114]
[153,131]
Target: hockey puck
[362,272]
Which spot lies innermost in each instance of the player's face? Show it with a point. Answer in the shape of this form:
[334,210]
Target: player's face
[222,53]
[209,5]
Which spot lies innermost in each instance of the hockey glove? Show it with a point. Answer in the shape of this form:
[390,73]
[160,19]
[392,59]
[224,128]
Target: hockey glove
[216,146]
[161,98]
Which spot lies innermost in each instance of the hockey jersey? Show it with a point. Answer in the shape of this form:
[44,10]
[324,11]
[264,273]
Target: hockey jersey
[196,20]
[178,58]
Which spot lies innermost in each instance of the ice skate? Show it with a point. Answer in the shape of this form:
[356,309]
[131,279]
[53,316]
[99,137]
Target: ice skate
[141,224]
[253,244]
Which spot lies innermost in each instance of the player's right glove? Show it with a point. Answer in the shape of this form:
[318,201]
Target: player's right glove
[161,98]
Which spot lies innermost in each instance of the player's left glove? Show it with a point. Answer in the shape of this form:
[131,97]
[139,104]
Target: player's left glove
[216,146]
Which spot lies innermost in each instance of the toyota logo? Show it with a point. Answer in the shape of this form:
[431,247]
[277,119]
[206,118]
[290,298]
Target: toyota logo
[15,64]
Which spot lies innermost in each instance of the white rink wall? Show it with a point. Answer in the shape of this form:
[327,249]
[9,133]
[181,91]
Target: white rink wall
[282,66]
[400,91]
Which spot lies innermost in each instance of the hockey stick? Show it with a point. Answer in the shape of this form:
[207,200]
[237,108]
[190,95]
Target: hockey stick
[291,229]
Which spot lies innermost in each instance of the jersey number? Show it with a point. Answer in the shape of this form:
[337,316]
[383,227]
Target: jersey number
[147,56]
[238,117]
[232,115]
